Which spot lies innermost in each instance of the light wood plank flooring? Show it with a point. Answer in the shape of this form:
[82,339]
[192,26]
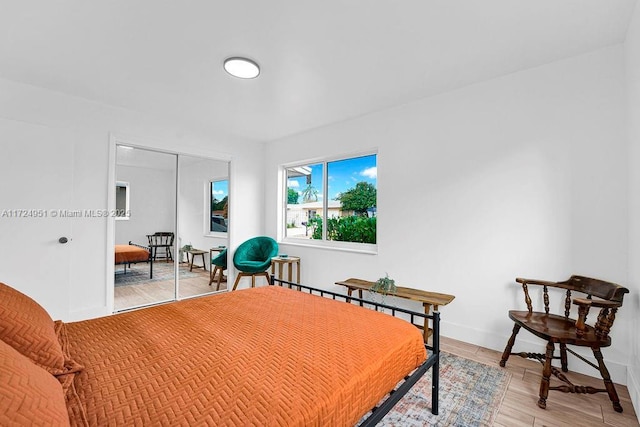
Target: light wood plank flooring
[150,293]
[563,409]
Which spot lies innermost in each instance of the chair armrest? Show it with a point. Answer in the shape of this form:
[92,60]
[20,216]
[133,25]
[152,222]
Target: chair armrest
[527,298]
[583,310]
[585,302]
[597,303]
[535,282]
[605,318]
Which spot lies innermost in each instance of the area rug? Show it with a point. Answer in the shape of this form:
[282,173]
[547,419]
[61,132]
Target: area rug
[470,395]
[138,274]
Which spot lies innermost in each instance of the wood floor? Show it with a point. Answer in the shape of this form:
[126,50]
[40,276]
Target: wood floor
[563,409]
[150,293]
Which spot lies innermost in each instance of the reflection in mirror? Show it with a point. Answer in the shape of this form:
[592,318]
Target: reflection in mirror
[219,206]
[203,222]
[122,200]
[144,251]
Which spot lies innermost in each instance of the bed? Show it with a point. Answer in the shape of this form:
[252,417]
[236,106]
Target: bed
[262,356]
[133,254]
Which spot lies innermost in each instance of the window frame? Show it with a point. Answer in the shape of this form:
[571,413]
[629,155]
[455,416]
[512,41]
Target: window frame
[207,209]
[367,248]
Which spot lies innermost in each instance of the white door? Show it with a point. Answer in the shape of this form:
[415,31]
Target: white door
[35,212]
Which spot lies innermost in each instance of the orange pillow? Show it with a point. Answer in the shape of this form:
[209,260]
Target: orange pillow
[29,395]
[28,328]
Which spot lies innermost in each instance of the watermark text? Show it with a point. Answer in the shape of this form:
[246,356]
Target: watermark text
[64,213]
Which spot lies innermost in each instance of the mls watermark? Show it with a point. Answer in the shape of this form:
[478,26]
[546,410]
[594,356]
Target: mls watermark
[64,213]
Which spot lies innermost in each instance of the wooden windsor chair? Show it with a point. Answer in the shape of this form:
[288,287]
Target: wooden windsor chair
[565,331]
[162,240]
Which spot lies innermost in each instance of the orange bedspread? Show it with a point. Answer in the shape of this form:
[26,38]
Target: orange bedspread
[130,253]
[263,356]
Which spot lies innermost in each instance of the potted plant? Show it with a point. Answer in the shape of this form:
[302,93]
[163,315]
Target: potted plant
[385,285]
[183,251]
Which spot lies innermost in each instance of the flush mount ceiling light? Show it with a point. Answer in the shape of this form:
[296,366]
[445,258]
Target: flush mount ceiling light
[242,68]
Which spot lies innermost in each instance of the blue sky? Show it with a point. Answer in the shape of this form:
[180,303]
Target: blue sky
[220,189]
[343,175]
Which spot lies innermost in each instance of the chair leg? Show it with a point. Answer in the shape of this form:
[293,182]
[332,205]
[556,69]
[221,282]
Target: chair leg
[546,376]
[220,274]
[563,357]
[608,384]
[212,275]
[509,347]
[235,285]
[266,276]
[253,278]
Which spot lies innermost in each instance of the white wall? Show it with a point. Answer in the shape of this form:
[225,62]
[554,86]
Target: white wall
[152,202]
[524,175]
[91,125]
[632,56]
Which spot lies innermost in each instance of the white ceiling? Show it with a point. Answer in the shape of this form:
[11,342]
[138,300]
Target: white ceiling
[322,61]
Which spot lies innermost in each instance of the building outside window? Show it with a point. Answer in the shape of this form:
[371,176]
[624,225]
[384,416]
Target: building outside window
[332,201]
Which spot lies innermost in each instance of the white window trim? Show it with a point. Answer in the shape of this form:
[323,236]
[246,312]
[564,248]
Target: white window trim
[365,248]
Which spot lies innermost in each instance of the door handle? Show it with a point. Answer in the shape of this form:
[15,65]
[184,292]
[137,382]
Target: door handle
[63,240]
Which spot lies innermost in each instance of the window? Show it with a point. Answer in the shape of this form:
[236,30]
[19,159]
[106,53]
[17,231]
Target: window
[122,201]
[332,201]
[219,206]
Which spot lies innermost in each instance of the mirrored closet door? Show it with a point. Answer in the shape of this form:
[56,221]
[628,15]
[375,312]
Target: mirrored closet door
[145,227]
[203,222]
[171,226]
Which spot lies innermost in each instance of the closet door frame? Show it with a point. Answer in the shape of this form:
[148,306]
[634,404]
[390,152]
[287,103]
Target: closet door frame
[161,146]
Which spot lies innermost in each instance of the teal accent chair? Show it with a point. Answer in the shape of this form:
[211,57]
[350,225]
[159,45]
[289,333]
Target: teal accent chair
[218,265]
[253,258]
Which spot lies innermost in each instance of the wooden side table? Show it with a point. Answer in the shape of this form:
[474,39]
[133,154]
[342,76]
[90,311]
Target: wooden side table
[428,299]
[289,260]
[194,253]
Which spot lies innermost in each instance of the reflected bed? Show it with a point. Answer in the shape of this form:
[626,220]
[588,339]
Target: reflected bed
[133,254]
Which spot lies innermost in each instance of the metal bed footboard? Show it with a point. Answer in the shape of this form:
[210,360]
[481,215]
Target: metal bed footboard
[433,350]
[149,260]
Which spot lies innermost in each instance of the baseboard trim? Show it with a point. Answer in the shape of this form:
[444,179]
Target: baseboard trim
[633,385]
[88,313]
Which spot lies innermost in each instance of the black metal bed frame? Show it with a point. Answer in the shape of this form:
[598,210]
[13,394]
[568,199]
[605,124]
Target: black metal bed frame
[433,351]
[150,260]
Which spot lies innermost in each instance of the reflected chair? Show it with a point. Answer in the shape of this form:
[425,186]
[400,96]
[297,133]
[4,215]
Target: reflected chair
[253,258]
[565,331]
[162,240]
[218,265]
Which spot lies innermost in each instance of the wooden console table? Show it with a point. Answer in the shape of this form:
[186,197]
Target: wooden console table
[428,299]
